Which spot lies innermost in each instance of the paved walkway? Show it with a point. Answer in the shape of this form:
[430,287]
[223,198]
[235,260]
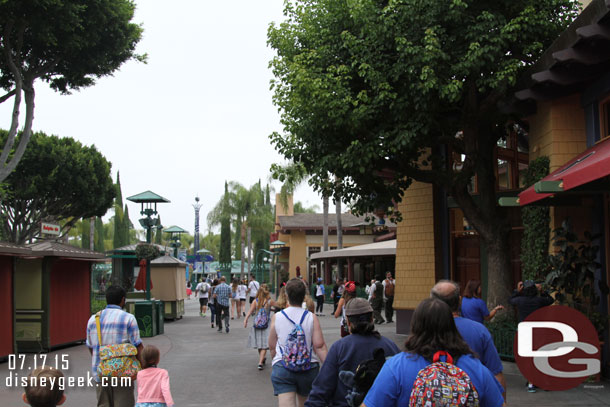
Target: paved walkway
[208,368]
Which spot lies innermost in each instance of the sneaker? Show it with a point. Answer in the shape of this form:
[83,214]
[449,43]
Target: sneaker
[244,314]
[219,329]
[265,360]
[380,322]
[260,367]
[531,388]
[227,329]
[212,325]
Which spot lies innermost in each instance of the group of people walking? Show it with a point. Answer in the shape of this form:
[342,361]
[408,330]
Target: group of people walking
[225,301]
[447,342]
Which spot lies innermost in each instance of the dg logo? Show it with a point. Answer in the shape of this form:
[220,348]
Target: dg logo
[557,348]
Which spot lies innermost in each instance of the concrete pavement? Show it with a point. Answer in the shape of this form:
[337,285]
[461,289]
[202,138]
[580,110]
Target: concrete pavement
[208,368]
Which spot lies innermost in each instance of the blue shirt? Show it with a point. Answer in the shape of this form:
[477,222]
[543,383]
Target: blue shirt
[395,381]
[345,354]
[223,293]
[480,341]
[117,326]
[474,308]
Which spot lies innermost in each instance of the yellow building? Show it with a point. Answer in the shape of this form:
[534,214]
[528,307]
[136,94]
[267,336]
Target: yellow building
[302,234]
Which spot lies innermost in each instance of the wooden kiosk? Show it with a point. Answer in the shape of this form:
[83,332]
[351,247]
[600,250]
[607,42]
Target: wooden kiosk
[52,296]
[169,284]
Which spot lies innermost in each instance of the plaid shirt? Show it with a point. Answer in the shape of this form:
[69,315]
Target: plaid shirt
[117,327]
[223,293]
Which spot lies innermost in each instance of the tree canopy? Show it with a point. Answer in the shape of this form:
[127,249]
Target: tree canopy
[57,180]
[381,93]
[65,43]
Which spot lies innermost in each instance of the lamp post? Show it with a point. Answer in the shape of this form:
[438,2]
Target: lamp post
[175,232]
[277,250]
[148,201]
[203,253]
[259,266]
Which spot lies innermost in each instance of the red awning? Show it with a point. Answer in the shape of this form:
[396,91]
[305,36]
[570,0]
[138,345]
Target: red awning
[589,166]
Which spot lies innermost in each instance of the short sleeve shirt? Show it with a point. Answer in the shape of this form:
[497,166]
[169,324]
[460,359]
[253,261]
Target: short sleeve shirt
[475,309]
[393,385]
[200,288]
[479,339]
[253,286]
[117,327]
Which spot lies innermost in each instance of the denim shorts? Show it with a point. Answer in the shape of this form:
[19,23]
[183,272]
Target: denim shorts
[285,381]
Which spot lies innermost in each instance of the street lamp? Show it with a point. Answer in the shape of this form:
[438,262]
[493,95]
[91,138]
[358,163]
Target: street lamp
[148,201]
[277,250]
[259,266]
[175,232]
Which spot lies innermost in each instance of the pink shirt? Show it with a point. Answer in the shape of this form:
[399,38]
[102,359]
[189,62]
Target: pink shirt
[153,386]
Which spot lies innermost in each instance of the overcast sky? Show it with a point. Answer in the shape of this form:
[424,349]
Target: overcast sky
[197,114]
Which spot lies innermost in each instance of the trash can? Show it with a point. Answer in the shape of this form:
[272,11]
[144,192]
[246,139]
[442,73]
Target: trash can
[160,306]
[146,315]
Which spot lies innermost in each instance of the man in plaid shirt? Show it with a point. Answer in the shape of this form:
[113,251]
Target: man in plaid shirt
[117,326]
[222,293]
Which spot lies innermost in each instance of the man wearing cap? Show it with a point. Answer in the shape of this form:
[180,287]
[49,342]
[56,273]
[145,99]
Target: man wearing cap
[347,354]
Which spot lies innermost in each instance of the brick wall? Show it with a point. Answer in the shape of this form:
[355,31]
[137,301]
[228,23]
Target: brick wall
[415,270]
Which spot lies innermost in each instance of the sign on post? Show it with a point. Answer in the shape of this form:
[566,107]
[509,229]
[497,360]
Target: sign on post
[50,229]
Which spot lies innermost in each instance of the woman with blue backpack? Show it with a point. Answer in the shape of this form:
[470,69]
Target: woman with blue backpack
[259,332]
[297,347]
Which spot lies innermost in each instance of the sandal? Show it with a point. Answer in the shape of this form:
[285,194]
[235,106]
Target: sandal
[260,367]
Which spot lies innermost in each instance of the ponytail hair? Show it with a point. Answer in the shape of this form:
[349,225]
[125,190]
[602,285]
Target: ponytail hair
[363,325]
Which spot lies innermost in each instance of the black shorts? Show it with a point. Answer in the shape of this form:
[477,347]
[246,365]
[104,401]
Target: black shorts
[203,302]
[252,299]
[242,300]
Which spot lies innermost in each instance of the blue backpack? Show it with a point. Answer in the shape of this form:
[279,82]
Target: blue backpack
[296,356]
[261,320]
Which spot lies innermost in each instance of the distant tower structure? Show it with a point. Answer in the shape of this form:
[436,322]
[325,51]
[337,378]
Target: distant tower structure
[197,206]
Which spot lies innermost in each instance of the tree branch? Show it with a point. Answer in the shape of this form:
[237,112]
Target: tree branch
[7,96]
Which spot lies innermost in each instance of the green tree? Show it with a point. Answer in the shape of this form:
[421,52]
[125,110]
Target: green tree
[57,180]
[244,207]
[299,207]
[66,43]
[211,242]
[127,227]
[371,89]
[159,234]
[99,245]
[224,255]
[85,238]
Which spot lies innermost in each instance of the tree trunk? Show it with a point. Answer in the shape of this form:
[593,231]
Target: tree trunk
[92,233]
[325,225]
[339,236]
[249,249]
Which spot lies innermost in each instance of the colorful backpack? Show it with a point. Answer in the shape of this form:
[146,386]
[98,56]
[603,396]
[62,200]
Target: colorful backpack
[117,360]
[296,356]
[443,384]
[261,320]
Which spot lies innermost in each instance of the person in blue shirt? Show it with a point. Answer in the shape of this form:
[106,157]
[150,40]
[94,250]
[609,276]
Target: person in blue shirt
[347,354]
[476,335]
[473,307]
[432,329]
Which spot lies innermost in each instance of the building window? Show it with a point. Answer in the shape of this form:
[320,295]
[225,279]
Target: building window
[604,115]
[512,161]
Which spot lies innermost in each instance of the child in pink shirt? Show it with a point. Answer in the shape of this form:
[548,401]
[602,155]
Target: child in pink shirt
[153,383]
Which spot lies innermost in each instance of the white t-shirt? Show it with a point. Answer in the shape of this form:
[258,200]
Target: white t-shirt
[241,291]
[253,287]
[319,290]
[283,327]
[200,288]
